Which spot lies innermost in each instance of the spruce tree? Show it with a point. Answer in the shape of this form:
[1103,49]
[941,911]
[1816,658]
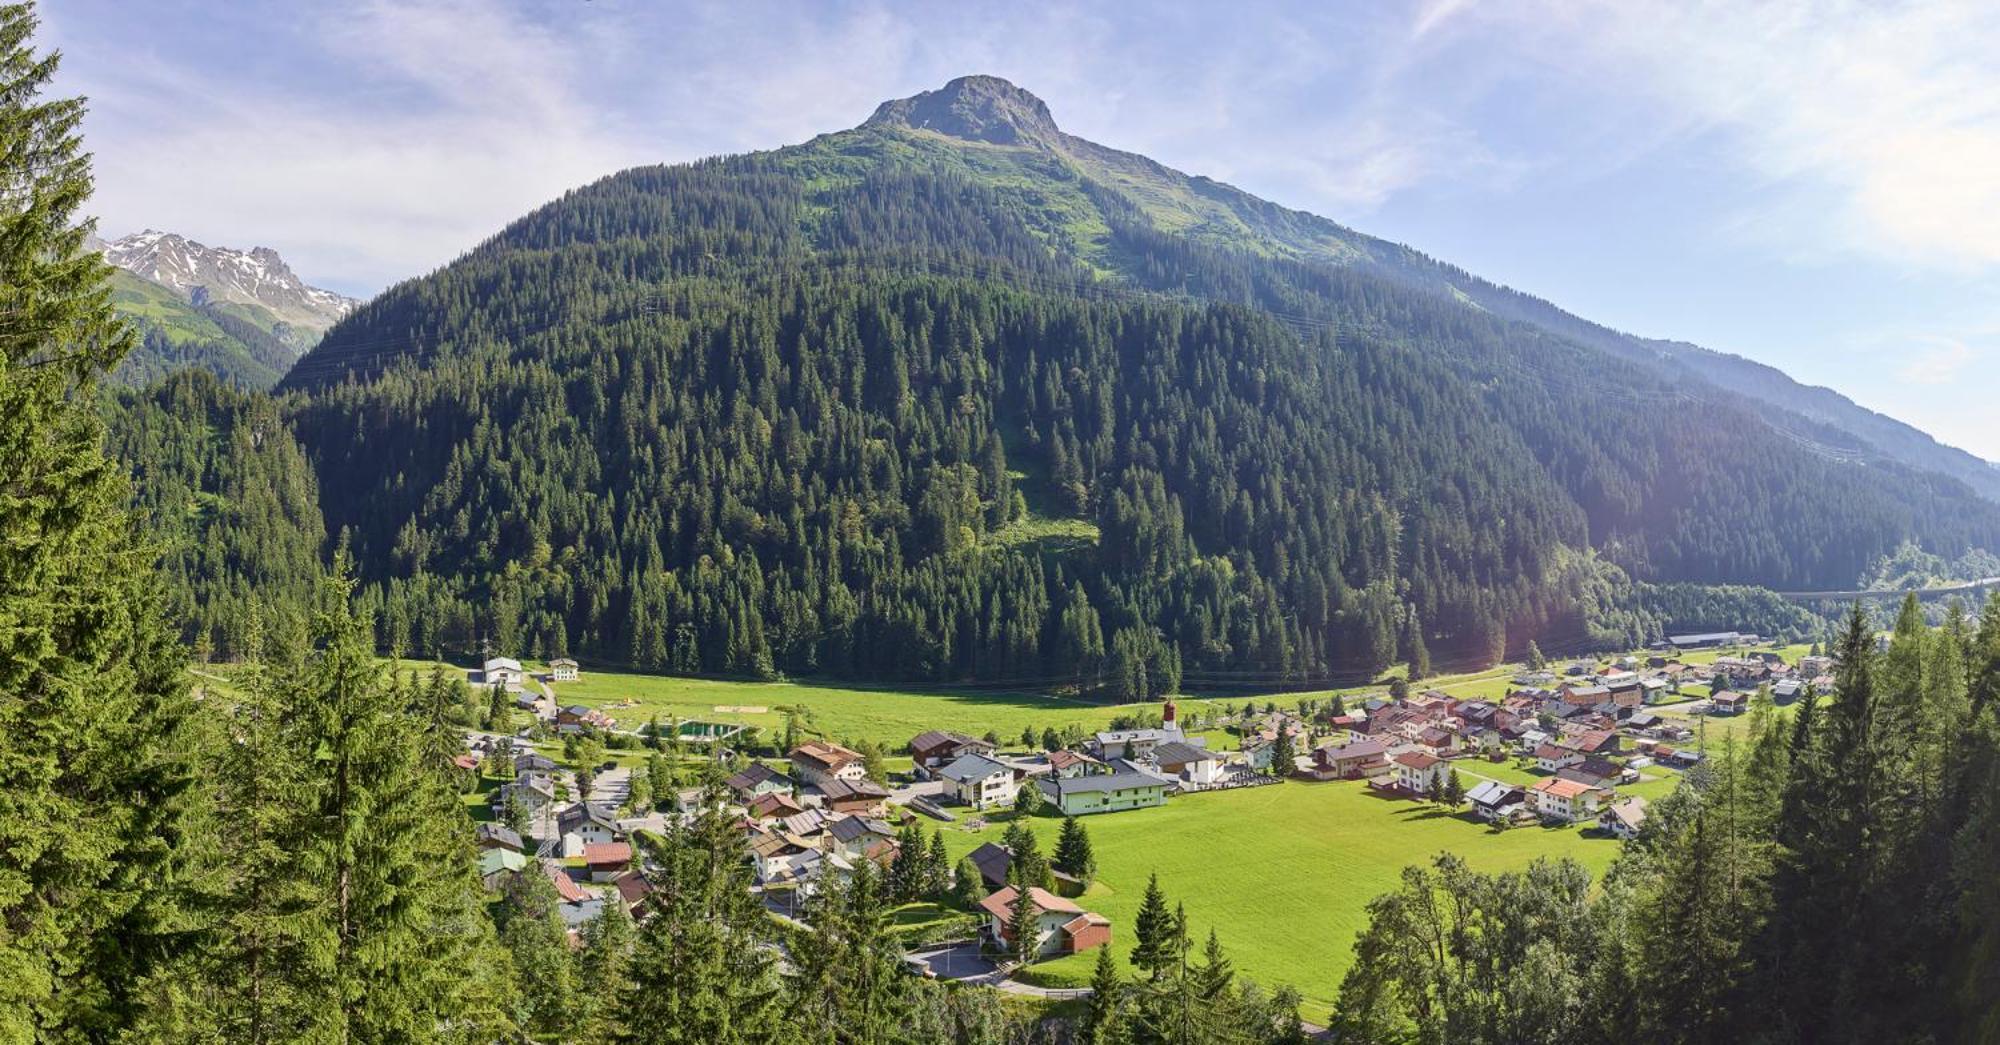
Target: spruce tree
[97,752]
[1073,854]
[1152,932]
[1104,1020]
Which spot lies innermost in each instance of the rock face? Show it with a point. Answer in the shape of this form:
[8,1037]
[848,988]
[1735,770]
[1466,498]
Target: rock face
[976,108]
[222,275]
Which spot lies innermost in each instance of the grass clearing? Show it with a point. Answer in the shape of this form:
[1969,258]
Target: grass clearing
[1283,874]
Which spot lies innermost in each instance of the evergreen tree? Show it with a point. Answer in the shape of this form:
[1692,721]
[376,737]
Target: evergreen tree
[1104,1018]
[1152,932]
[1073,853]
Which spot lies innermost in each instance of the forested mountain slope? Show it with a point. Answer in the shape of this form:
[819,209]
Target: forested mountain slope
[954,395]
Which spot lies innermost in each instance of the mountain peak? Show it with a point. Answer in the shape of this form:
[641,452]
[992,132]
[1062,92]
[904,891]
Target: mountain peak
[203,274]
[977,108]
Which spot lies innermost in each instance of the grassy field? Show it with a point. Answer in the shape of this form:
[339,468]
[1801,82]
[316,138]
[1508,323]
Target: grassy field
[1283,874]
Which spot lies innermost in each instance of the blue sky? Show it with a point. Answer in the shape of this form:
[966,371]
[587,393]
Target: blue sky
[1813,185]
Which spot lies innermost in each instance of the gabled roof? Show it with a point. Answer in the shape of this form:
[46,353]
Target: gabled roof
[1630,811]
[582,815]
[936,738]
[498,834]
[1000,904]
[842,790]
[494,861]
[606,853]
[1562,788]
[566,887]
[752,775]
[1175,752]
[992,860]
[1066,759]
[966,769]
[1355,749]
[1554,753]
[1121,780]
[1417,760]
[828,756]
[1492,793]
[850,828]
[776,803]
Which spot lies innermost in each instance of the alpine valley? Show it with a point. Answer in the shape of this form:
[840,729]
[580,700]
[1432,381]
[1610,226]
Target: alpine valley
[957,396]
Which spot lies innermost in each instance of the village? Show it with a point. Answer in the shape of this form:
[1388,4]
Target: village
[1577,745]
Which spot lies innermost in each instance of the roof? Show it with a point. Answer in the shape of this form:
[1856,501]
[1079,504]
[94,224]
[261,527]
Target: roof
[828,755]
[1561,788]
[849,828]
[566,886]
[775,802]
[1000,904]
[1417,760]
[752,775]
[936,738]
[632,887]
[583,814]
[499,834]
[1703,637]
[562,662]
[607,853]
[1551,751]
[1175,752]
[1066,759]
[840,790]
[493,861]
[1083,921]
[498,663]
[968,768]
[1631,811]
[1356,749]
[1123,780]
[1492,792]
[992,860]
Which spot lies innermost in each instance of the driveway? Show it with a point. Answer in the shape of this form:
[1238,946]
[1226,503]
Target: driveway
[957,961]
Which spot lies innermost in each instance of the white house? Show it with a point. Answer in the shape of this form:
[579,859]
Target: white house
[1493,800]
[1624,817]
[1565,801]
[980,782]
[563,669]
[1550,758]
[819,762]
[583,825]
[1061,927]
[1184,761]
[1419,773]
[501,671]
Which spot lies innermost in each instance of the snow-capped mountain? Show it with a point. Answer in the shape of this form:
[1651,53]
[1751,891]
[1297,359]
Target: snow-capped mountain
[207,275]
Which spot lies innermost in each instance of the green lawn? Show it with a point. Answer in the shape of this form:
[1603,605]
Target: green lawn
[889,717]
[1282,873]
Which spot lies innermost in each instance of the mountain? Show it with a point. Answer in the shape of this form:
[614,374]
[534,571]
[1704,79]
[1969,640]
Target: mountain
[243,316]
[955,395]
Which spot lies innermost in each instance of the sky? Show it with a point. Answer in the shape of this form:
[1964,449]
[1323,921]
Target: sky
[1812,185]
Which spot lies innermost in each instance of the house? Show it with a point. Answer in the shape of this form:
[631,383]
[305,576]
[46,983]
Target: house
[1351,761]
[1593,772]
[1492,800]
[1121,789]
[1729,702]
[1419,773]
[1187,762]
[1565,801]
[1811,667]
[776,803]
[1655,690]
[854,796]
[581,716]
[937,748]
[854,836]
[582,825]
[1624,817]
[497,836]
[820,762]
[1129,743]
[1072,764]
[980,782]
[501,671]
[633,888]
[1061,927]
[1437,739]
[1550,758]
[607,860]
[497,866]
[992,860]
[780,857]
[756,780]
[1596,742]
[533,793]
[532,763]
[563,669]
[1258,750]
[1788,690]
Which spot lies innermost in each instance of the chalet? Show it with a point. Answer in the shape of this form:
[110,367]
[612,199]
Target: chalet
[583,825]
[756,780]
[1121,789]
[532,763]
[776,803]
[1437,739]
[533,793]
[1565,801]
[1624,817]
[1593,772]
[980,782]
[1071,764]
[854,796]
[780,857]
[1420,773]
[1492,800]
[854,836]
[1550,758]
[1351,761]
[566,888]
[1596,742]
[501,671]
[498,866]
[1729,702]
[607,860]
[497,836]
[1061,927]
[1642,721]
[563,669]
[1258,750]
[1786,691]
[1188,762]
[820,762]
[583,717]
[1655,690]
[937,748]
[633,888]
[992,860]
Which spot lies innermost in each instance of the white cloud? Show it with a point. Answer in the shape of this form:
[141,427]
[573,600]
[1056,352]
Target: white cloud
[1891,112]
[1942,362]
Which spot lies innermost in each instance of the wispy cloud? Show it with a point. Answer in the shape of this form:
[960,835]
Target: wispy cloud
[1943,361]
